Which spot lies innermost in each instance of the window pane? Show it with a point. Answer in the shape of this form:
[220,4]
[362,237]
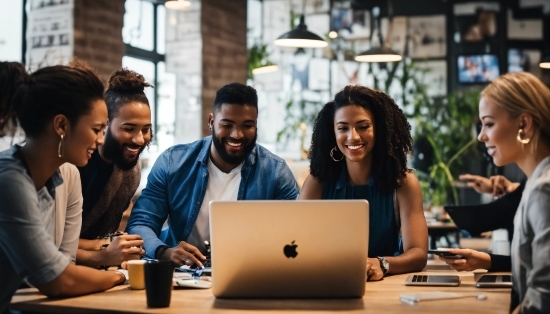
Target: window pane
[138,24]
[147,69]
[166,88]
[11,30]
[161,29]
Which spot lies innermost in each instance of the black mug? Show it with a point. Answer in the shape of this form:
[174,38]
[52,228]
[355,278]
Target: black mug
[158,282]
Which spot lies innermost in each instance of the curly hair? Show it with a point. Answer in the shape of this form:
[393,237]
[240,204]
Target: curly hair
[125,86]
[11,75]
[393,139]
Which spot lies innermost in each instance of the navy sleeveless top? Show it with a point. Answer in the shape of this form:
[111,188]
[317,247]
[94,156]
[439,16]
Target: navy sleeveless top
[384,238]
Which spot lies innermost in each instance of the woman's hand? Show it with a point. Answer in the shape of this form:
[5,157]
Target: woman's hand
[374,271]
[471,260]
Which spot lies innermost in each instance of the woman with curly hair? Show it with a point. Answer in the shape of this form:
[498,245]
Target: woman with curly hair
[11,74]
[359,150]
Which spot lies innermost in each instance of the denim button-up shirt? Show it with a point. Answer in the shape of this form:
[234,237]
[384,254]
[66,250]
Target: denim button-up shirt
[177,184]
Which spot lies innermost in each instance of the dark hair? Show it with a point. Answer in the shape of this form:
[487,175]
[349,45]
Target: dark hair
[125,86]
[11,76]
[393,139]
[235,94]
[67,90]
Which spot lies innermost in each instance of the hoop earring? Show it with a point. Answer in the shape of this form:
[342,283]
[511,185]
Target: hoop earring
[332,154]
[520,135]
[60,148]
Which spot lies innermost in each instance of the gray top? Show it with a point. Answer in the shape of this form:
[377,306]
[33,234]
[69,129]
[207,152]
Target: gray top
[531,243]
[27,249]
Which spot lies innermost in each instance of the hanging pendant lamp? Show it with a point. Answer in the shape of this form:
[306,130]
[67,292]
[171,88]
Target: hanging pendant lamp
[545,64]
[177,4]
[300,37]
[382,53]
[378,54]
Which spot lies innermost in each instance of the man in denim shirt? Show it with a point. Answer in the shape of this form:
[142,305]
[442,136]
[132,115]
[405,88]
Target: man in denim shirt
[228,165]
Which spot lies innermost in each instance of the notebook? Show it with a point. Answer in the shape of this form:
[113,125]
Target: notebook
[289,249]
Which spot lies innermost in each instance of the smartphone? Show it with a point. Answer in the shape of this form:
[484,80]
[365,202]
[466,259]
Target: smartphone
[494,281]
[433,280]
[445,254]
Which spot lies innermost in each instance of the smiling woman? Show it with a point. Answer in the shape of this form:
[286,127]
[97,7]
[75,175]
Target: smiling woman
[62,112]
[515,112]
[359,150]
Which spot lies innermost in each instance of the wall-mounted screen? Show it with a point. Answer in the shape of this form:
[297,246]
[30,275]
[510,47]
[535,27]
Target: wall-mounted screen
[481,68]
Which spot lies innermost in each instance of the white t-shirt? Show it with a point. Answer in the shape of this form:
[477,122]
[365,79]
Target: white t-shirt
[221,187]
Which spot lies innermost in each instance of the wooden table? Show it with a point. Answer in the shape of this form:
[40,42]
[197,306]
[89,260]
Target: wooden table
[380,297]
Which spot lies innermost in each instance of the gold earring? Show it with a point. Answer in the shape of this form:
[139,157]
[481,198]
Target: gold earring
[520,139]
[60,148]
[332,154]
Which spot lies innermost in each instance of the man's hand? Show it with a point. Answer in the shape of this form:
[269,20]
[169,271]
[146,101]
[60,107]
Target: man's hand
[374,272]
[472,260]
[498,186]
[184,254]
[478,183]
[501,186]
[123,248]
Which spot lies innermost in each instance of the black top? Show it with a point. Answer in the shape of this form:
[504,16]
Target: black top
[500,263]
[94,177]
[506,207]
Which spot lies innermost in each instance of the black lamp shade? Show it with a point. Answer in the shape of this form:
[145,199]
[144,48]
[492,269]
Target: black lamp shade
[300,37]
[378,54]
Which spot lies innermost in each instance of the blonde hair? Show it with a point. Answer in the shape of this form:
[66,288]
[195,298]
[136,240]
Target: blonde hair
[521,92]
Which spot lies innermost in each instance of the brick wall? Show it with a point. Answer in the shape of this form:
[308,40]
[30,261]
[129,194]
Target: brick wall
[98,34]
[224,54]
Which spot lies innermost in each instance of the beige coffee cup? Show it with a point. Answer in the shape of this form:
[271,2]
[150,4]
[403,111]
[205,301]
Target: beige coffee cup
[136,274]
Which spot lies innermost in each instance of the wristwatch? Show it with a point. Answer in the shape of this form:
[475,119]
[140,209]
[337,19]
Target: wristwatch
[384,265]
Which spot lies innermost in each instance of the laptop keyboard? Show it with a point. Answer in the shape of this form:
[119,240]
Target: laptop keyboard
[420,278]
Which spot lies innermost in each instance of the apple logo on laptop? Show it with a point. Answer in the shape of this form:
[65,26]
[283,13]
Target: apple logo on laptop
[290,250]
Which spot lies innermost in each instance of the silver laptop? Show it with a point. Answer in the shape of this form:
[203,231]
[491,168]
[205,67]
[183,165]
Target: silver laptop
[289,249]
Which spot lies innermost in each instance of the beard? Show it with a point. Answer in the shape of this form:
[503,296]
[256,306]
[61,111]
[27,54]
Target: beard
[233,159]
[114,151]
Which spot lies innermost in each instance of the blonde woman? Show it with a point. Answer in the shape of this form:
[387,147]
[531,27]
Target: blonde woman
[515,112]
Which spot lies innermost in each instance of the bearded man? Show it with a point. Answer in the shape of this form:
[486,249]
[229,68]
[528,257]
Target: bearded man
[228,165]
[112,176]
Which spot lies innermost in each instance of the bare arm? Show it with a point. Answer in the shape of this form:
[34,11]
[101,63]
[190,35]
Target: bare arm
[79,280]
[413,229]
[123,248]
[312,189]
[92,245]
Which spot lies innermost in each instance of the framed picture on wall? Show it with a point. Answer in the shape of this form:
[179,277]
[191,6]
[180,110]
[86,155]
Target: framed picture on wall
[427,37]
[524,29]
[396,39]
[524,60]
[476,21]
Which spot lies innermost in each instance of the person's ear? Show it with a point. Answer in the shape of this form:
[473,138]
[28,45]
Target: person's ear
[61,124]
[210,120]
[526,124]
